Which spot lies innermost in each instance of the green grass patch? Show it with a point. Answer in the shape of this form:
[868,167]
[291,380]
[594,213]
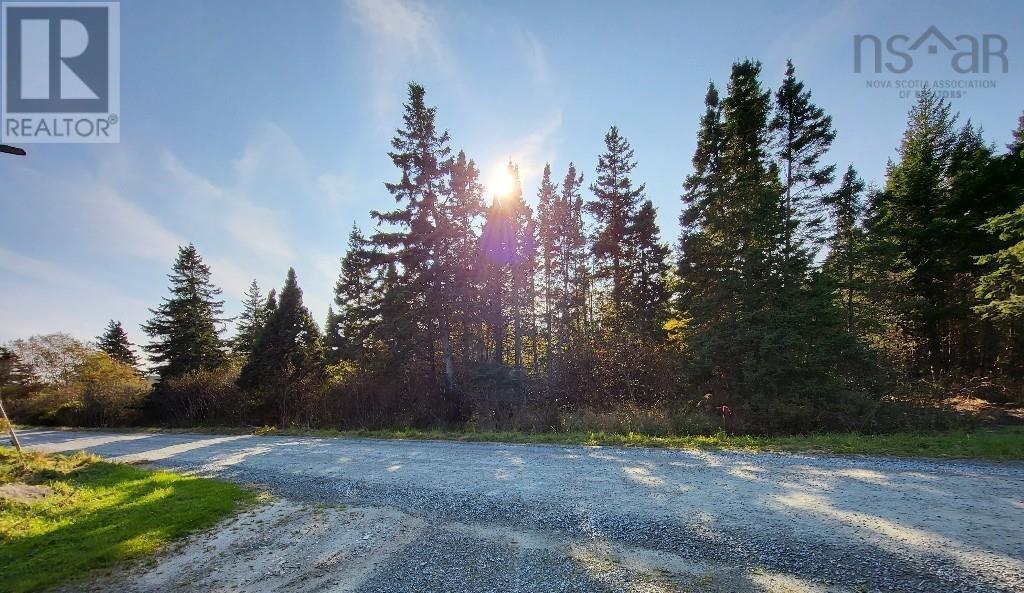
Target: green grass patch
[1005,443]
[99,514]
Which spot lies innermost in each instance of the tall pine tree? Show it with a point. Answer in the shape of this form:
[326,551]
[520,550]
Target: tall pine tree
[114,342]
[250,321]
[421,154]
[803,135]
[285,364]
[348,331]
[614,207]
[847,207]
[707,244]
[462,214]
[648,295]
[186,327]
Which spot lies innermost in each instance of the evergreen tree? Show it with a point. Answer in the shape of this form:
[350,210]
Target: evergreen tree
[250,322]
[847,207]
[924,230]
[649,292]
[549,226]
[271,305]
[114,342]
[332,337]
[463,211]
[570,263]
[1002,289]
[395,323]
[707,244]
[762,333]
[523,268]
[499,245]
[804,135]
[421,153]
[186,327]
[758,217]
[614,208]
[17,380]
[354,294]
[286,359]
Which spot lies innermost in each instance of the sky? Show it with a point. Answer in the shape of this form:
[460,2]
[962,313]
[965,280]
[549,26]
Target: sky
[259,130]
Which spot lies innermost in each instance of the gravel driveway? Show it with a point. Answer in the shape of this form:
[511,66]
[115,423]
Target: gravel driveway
[374,515]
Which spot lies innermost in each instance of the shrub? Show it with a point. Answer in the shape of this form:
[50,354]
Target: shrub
[201,397]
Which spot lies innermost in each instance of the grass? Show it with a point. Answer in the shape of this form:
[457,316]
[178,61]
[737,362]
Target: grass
[99,514]
[1004,443]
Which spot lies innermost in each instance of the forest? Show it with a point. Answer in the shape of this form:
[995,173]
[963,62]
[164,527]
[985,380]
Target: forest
[797,299]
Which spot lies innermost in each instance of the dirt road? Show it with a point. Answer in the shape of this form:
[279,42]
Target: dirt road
[370,515]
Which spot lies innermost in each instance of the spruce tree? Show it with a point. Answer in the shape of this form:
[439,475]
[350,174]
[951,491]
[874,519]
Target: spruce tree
[803,136]
[761,329]
[186,326]
[462,214]
[421,154]
[287,356]
[332,337]
[649,292]
[926,229]
[758,218]
[271,304]
[549,227]
[574,277]
[1001,290]
[614,208]
[847,207]
[523,268]
[707,244]
[114,342]
[250,321]
[354,294]
[498,247]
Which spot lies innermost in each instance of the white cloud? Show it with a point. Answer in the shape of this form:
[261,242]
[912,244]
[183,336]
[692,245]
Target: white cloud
[273,155]
[337,188]
[535,57]
[125,226]
[404,37]
[37,301]
[254,227]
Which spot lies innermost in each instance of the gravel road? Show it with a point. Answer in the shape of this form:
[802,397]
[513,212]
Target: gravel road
[376,516]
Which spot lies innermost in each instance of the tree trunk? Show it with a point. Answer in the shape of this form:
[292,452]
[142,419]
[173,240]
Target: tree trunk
[446,348]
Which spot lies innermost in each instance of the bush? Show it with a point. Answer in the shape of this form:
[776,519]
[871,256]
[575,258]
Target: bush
[201,397]
[110,393]
[96,391]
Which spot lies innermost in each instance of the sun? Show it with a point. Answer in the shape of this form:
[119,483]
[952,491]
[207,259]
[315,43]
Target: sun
[501,183]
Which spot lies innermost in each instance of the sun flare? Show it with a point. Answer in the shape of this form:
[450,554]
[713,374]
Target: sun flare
[501,183]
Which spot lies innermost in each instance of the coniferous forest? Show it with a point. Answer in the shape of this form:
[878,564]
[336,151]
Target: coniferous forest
[797,299]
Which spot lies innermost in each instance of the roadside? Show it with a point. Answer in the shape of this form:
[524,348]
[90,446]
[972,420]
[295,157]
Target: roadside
[992,443]
[63,517]
[387,515]
[289,547]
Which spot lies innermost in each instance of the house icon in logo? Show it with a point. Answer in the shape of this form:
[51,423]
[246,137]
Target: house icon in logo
[933,49]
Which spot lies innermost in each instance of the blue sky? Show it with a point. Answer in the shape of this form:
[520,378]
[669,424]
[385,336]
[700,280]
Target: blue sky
[259,130]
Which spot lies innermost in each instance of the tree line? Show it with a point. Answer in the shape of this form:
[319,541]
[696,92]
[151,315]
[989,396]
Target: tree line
[796,298]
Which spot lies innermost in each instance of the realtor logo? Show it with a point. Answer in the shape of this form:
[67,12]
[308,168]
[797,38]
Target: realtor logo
[61,72]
